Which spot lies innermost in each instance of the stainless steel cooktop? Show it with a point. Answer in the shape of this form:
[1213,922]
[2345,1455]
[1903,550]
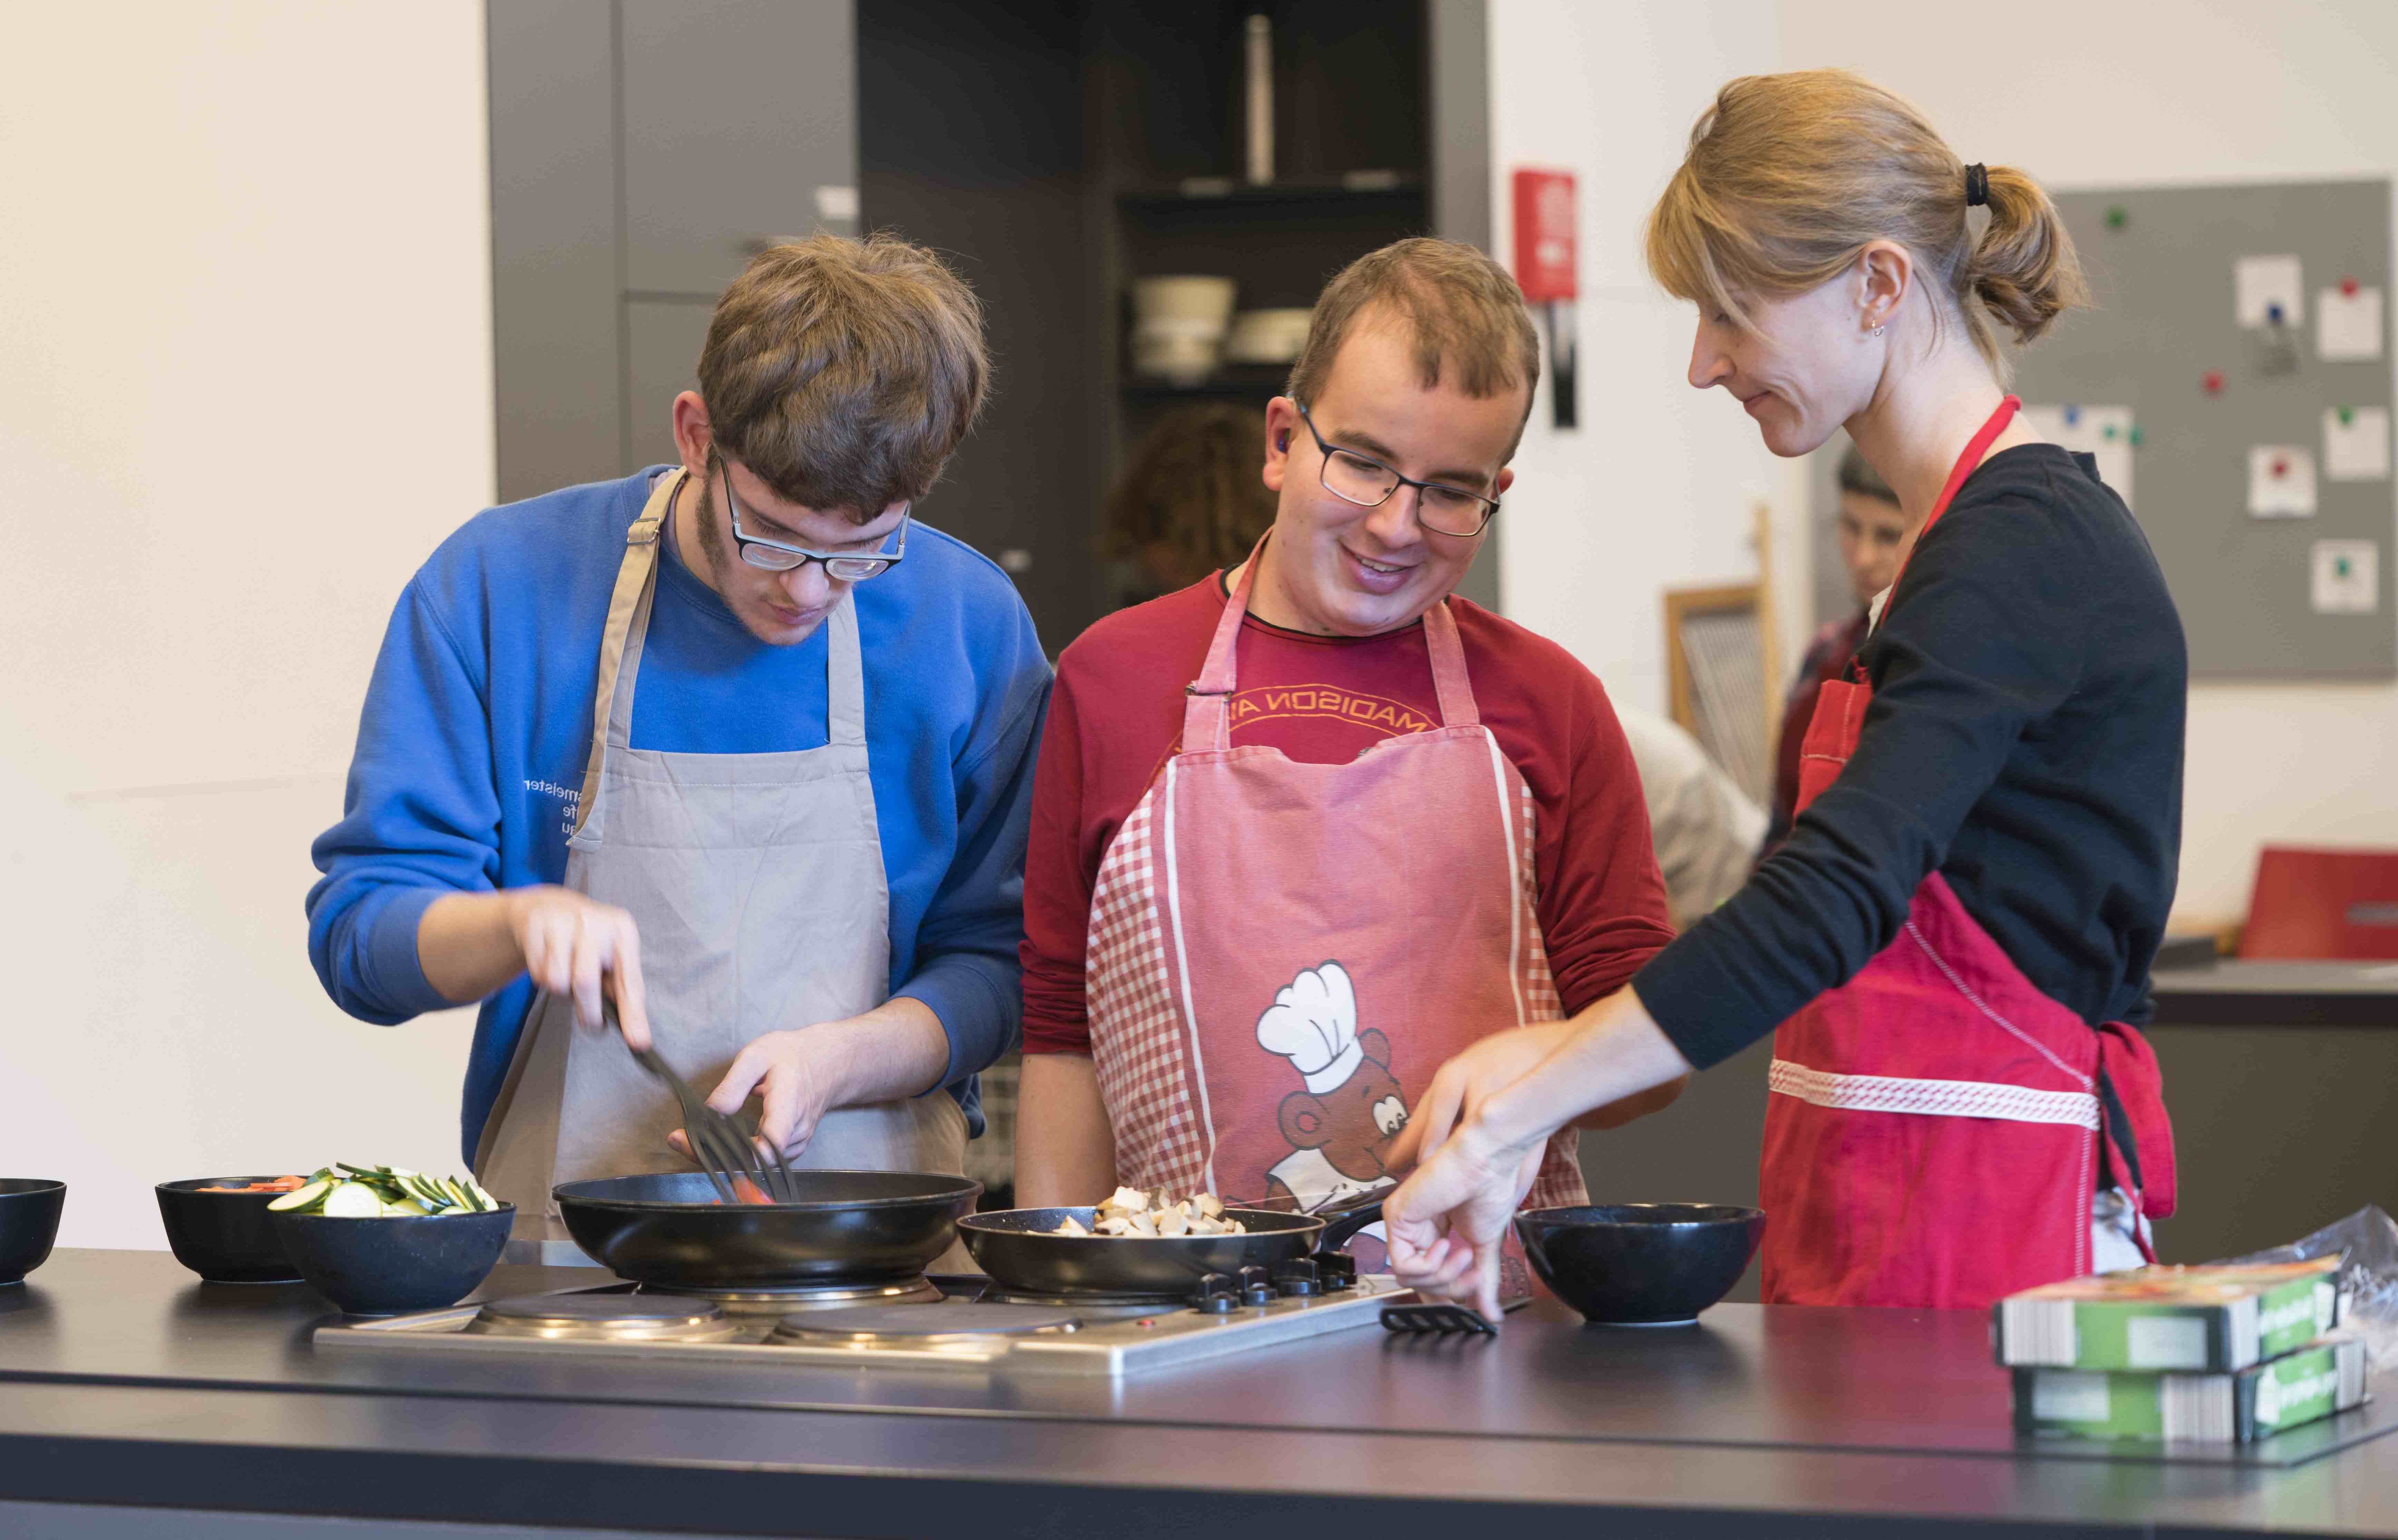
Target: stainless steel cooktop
[958,1323]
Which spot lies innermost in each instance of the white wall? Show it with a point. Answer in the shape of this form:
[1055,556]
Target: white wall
[245,386]
[2080,95]
[1654,490]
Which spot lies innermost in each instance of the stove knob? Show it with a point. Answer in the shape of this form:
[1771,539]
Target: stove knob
[1216,1295]
[1337,1270]
[1297,1288]
[1298,1278]
[1257,1286]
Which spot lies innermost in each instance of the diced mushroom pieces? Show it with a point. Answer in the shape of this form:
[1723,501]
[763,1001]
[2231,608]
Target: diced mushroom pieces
[1129,1213]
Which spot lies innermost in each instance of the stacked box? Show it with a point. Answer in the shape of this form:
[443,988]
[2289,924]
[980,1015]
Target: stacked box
[2154,1319]
[2263,1399]
[2225,1353]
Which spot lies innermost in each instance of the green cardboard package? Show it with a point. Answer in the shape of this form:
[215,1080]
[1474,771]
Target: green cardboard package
[2169,1320]
[2263,1399]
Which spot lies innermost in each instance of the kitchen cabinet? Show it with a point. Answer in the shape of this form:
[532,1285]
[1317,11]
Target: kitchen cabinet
[641,151]
[740,127]
[662,342]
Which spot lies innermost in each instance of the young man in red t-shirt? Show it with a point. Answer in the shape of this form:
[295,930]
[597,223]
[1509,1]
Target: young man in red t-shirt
[1338,822]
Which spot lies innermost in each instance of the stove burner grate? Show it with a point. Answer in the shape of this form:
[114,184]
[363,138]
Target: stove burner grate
[920,1325]
[602,1317]
[912,1291]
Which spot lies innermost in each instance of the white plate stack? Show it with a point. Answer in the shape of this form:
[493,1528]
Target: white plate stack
[1267,336]
[1179,326]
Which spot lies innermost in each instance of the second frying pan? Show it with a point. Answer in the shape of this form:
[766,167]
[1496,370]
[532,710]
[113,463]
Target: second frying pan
[1018,1248]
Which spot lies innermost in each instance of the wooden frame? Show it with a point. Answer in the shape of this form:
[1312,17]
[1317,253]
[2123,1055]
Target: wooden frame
[1751,599]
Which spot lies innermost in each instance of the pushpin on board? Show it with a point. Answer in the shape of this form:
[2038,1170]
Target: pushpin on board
[2212,381]
[2107,433]
[2348,417]
[2280,466]
[2348,289]
[2116,216]
[2274,313]
[2072,416]
[2134,437]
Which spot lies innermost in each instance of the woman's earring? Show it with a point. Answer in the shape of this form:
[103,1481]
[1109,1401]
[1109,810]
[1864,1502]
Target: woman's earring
[1876,330]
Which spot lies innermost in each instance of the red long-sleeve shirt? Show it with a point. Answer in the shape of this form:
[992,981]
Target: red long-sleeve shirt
[1117,712]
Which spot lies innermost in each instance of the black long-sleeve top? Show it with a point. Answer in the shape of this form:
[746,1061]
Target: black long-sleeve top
[2025,740]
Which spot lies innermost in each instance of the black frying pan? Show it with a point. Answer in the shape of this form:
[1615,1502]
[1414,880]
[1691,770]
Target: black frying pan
[851,1227]
[1018,1248]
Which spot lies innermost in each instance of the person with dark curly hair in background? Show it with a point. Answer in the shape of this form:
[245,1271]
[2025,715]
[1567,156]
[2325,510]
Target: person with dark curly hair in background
[1189,504]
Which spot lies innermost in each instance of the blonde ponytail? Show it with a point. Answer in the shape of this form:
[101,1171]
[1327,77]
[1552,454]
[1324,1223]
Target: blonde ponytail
[2024,271]
[1789,177]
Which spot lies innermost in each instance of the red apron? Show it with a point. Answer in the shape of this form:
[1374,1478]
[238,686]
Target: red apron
[1282,954]
[1935,1127]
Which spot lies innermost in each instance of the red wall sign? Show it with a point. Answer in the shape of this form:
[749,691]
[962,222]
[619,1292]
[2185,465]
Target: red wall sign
[1544,234]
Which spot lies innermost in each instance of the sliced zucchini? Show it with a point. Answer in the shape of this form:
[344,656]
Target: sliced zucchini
[405,1207]
[353,1200]
[303,1199]
[483,1200]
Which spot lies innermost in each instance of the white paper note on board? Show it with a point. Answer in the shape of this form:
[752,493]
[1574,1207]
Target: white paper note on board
[2102,432]
[2259,284]
[2280,481]
[2348,326]
[2346,577]
[2356,444]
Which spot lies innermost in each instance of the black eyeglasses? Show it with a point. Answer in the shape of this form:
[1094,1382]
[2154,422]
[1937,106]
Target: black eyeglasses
[773,556]
[1353,478]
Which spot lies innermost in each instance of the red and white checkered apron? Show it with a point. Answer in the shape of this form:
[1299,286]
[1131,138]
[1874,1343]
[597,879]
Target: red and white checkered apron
[1281,955]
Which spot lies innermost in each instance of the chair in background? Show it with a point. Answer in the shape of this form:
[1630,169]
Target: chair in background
[2322,904]
[1724,669]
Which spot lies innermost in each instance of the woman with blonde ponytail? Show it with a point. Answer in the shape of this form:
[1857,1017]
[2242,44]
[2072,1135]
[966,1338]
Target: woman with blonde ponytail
[1953,942]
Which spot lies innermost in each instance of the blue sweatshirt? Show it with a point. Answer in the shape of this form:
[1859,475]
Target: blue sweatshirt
[477,722]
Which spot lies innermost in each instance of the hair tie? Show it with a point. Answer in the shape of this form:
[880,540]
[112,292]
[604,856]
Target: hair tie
[1977,186]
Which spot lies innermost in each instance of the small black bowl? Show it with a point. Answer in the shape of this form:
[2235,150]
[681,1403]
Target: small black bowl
[1641,1264]
[388,1267]
[224,1237]
[29,1222]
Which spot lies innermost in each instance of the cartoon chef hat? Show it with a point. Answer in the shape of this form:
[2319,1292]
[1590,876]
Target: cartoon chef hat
[1314,1023]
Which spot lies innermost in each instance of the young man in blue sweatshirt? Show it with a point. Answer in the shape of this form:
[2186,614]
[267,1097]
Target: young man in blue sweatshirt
[795,854]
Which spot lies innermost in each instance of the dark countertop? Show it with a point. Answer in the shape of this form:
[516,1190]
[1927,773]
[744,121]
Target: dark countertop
[2278,994]
[131,1382]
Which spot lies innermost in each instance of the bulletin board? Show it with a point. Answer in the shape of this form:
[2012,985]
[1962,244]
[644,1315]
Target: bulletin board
[2234,380]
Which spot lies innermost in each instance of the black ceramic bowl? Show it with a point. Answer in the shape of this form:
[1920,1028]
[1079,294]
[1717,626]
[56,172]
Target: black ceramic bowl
[385,1267]
[1641,1264]
[224,1237]
[29,1222]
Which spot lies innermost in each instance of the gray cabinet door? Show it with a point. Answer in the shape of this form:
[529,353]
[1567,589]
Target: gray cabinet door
[554,284]
[662,341]
[740,125]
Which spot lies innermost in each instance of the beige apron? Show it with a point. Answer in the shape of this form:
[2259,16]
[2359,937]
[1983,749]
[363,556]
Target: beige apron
[757,883]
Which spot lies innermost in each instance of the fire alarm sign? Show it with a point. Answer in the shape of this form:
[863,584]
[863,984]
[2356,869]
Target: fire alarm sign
[1545,270]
